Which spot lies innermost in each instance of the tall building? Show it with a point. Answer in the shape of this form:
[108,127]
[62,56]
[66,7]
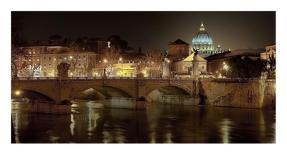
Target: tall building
[203,42]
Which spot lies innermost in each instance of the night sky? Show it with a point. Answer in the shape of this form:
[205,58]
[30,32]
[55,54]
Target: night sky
[153,30]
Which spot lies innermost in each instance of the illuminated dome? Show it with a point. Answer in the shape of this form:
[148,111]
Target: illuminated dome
[202,41]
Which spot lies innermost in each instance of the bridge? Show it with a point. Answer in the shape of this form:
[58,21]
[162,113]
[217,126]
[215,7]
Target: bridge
[66,89]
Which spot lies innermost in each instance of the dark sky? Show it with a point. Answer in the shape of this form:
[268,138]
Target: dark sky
[153,29]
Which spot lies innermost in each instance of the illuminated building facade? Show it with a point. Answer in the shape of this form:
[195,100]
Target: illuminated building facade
[81,63]
[44,60]
[191,66]
[270,51]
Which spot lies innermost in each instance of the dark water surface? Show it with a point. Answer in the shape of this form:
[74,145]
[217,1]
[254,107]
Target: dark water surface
[157,124]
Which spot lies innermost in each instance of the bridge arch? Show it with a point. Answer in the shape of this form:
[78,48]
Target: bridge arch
[182,88]
[31,94]
[106,91]
[165,89]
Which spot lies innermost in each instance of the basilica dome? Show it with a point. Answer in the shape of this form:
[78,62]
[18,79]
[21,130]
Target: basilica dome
[202,41]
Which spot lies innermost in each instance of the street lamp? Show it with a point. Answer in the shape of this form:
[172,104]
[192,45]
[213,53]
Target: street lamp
[121,61]
[105,61]
[17,92]
[225,66]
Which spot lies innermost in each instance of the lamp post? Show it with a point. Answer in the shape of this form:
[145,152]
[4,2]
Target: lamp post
[105,61]
[121,61]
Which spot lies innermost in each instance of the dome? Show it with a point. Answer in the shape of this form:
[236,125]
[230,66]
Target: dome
[202,37]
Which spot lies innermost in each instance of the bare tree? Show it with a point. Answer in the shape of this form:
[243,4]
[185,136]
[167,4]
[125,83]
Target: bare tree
[19,61]
[110,57]
[154,59]
[73,63]
[270,67]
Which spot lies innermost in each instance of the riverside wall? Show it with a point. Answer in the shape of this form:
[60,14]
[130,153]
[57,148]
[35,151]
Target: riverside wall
[256,93]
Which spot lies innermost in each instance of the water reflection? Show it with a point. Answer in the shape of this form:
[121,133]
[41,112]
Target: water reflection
[225,127]
[157,124]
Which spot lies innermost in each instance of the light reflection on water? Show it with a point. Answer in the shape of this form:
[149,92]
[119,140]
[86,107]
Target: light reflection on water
[157,124]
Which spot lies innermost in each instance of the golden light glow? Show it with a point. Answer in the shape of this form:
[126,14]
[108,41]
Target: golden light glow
[17,92]
[225,66]
[144,72]
[71,57]
[120,59]
[105,60]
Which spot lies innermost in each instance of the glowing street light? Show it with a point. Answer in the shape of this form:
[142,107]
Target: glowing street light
[144,72]
[105,61]
[71,57]
[225,66]
[120,59]
[17,92]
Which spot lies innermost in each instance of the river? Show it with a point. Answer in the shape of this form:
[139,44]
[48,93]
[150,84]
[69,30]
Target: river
[159,123]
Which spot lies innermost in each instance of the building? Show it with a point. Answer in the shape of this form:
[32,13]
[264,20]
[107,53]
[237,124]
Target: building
[203,42]
[216,63]
[191,66]
[270,51]
[177,50]
[45,59]
[81,63]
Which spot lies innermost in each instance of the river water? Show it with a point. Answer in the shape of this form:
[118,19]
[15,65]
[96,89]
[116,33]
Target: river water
[159,123]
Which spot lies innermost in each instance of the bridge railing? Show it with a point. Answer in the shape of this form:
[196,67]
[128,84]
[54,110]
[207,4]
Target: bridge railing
[132,78]
[106,78]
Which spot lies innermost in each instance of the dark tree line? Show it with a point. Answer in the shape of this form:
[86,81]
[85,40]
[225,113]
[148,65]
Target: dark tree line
[246,67]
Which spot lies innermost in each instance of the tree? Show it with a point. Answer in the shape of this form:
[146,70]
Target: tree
[110,57]
[19,61]
[73,61]
[154,59]
[270,67]
[245,67]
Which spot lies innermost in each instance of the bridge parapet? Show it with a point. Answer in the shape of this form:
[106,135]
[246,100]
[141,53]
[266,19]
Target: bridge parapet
[64,89]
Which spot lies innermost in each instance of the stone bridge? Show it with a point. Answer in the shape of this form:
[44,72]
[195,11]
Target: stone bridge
[248,93]
[59,90]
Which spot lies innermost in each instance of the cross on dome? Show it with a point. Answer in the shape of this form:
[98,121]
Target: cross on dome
[202,28]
